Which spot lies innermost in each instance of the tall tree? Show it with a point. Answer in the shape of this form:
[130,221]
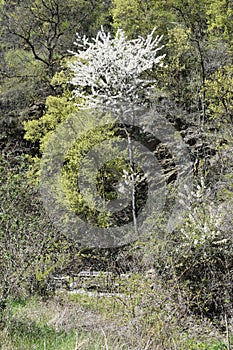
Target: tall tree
[35,37]
[110,74]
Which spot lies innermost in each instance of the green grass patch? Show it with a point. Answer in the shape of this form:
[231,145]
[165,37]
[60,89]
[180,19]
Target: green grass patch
[212,345]
[29,335]
[91,322]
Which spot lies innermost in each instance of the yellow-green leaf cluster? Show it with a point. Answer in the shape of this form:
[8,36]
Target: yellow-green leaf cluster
[219,93]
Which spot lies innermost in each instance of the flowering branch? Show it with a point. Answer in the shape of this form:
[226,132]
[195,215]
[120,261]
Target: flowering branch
[109,71]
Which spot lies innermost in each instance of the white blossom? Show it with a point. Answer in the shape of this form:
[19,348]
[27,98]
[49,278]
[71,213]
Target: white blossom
[109,71]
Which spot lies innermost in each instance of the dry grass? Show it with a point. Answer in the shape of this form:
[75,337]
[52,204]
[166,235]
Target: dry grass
[144,318]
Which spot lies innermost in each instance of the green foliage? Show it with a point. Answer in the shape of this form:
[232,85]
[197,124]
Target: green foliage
[180,66]
[21,89]
[30,247]
[219,93]
[47,30]
[137,17]
[35,37]
[58,109]
[197,257]
[71,171]
[220,21]
[142,317]
[194,91]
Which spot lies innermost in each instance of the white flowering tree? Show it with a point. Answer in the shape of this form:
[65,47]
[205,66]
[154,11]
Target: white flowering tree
[114,73]
[109,71]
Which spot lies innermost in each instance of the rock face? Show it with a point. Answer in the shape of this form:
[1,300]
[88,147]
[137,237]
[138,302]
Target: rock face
[97,281]
[88,280]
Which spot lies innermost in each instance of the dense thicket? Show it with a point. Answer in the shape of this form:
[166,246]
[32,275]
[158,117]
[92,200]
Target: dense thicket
[35,37]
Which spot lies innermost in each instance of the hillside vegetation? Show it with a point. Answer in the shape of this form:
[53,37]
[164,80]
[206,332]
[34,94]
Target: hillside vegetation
[89,59]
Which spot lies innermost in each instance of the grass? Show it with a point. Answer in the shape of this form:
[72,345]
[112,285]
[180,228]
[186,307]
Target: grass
[34,324]
[145,320]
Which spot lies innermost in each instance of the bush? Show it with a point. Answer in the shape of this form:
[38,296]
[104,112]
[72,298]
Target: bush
[31,249]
